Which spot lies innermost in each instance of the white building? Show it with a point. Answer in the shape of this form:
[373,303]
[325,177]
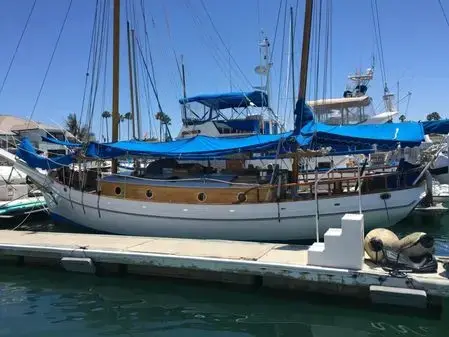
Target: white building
[13,129]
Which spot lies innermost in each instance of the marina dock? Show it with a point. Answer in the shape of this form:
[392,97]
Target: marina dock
[282,266]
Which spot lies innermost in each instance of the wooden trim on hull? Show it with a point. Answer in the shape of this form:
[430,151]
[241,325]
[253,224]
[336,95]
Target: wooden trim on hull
[234,194]
[181,195]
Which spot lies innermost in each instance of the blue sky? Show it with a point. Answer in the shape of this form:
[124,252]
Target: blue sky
[415,40]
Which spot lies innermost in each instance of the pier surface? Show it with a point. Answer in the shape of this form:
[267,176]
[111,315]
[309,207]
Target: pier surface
[263,264]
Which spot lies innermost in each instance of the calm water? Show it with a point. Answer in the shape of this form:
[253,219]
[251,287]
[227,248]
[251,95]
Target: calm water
[36,302]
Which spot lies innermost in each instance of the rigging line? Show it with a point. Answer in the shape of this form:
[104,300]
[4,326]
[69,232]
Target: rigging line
[276,29]
[94,63]
[149,76]
[318,42]
[147,39]
[326,50]
[95,52]
[380,40]
[209,43]
[17,46]
[51,61]
[171,42]
[88,60]
[376,39]
[330,46]
[224,44]
[282,61]
[146,90]
[101,53]
[444,12]
[108,32]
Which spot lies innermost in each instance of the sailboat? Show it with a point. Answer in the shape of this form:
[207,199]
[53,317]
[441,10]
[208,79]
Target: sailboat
[189,200]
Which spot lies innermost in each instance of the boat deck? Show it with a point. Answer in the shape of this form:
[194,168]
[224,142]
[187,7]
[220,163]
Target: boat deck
[268,264]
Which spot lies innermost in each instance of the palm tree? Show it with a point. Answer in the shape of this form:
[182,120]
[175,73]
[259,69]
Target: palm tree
[128,116]
[402,118]
[434,116]
[164,121]
[106,115]
[73,126]
[122,119]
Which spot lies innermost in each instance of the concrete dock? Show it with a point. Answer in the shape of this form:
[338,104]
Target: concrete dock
[254,264]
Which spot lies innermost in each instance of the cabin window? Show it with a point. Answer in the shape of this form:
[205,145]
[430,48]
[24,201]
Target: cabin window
[241,197]
[202,196]
[118,190]
[149,194]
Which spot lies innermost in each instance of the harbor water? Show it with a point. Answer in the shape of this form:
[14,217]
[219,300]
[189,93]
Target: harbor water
[39,302]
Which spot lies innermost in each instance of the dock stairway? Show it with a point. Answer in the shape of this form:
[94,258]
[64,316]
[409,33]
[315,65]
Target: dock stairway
[342,247]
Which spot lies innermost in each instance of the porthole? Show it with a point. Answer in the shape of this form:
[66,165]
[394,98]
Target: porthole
[149,194]
[385,196]
[118,190]
[202,196]
[241,197]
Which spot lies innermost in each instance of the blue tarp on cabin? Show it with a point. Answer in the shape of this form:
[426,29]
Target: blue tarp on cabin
[440,127]
[230,99]
[198,147]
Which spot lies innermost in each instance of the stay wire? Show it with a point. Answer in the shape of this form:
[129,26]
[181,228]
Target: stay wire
[281,67]
[224,44]
[276,29]
[11,62]
[102,43]
[88,61]
[149,76]
[50,63]
[444,13]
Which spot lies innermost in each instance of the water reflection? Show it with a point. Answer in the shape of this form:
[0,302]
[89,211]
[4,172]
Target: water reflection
[52,303]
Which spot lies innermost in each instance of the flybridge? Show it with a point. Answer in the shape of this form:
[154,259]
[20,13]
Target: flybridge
[227,114]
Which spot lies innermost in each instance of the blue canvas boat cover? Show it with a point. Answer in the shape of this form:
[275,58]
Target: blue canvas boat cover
[196,147]
[26,152]
[230,99]
[60,142]
[441,127]
[385,136]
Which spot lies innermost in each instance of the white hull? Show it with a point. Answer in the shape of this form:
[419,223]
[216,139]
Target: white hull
[261,222]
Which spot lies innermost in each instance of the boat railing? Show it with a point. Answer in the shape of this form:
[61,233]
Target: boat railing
[364,184]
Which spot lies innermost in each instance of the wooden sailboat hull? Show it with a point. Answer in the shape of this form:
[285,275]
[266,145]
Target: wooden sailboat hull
[293,220]
[263,222]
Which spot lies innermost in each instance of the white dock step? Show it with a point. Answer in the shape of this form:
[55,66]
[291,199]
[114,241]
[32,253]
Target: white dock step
[342,247]
[317,247]
[333,232]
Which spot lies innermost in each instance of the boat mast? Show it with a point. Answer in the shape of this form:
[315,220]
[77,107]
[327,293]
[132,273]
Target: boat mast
[115,79]
[292,54]
[131,85]
[183,74]
[184,89]
[303,75]
[136,89]
[305,52]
